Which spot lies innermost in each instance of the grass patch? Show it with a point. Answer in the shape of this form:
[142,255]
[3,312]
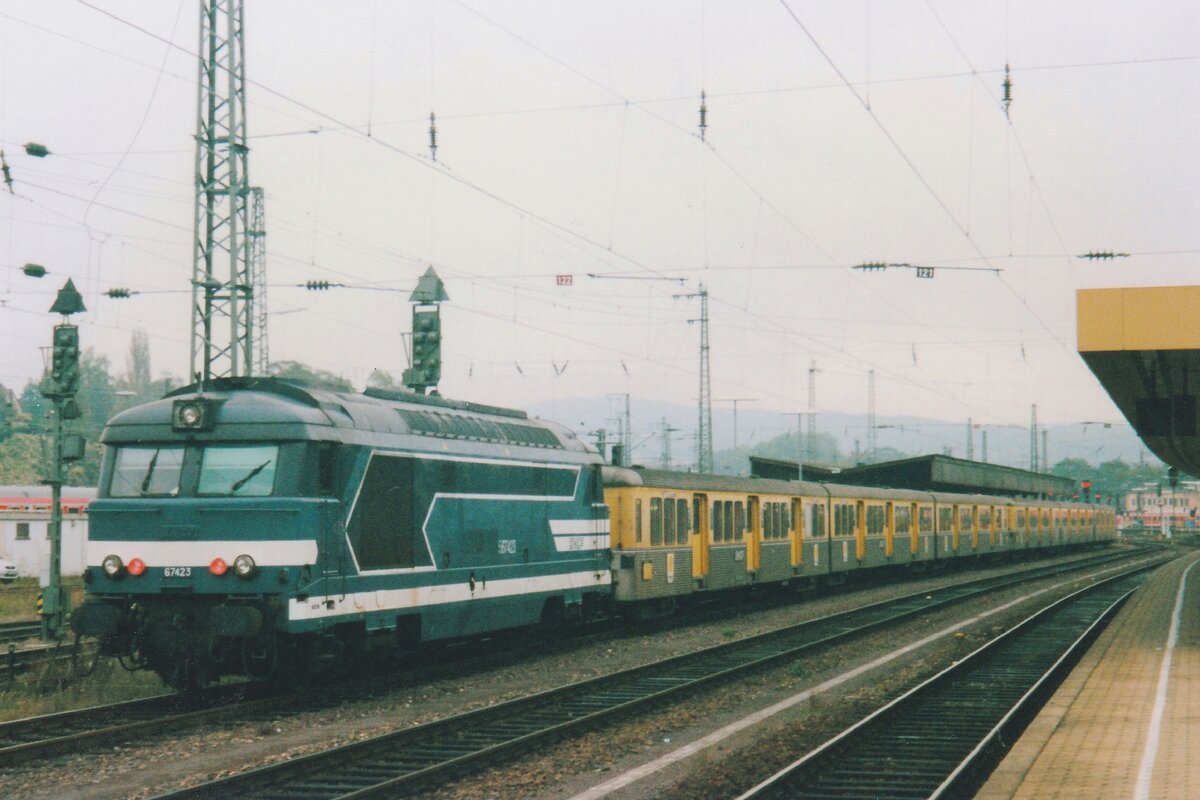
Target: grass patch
[40,691]
[18,600]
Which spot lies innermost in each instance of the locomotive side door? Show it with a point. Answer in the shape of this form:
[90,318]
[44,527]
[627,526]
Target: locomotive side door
[700,535]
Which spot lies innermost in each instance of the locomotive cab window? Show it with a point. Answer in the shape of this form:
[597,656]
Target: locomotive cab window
[146,471]
[238,471]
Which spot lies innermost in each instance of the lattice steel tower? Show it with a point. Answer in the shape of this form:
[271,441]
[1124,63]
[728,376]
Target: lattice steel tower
[257,233]
[222,286]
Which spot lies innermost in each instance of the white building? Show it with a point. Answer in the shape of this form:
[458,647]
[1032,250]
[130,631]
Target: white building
[25,528]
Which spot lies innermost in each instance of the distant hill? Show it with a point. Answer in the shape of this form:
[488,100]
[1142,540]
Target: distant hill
[839,436]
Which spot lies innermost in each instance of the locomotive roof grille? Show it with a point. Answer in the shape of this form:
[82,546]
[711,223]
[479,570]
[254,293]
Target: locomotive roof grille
[452,426]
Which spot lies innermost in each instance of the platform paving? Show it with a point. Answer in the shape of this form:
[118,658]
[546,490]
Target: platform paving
[1122,725]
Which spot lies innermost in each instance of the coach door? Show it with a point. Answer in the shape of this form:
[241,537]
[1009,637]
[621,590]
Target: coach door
[754,535]
[700,535]
[796,533]
[860,531]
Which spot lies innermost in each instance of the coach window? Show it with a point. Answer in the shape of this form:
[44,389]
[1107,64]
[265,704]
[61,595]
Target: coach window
[902,515]
[816,523]
[739,520]
[655,520]
[876,518]
[668,521]
[945,520]
[964,519]
[681,521]
[728,530]
[637,525]
[925,519]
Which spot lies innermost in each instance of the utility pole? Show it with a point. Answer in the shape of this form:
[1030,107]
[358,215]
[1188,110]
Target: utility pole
[1045,452]
[735,401]
[871,453]
[257,234]
[983,436]
[1033,439]
[704,446]
[222,286]
[623,456]
[667,430]
[970,440]
[60,386]
[811,439]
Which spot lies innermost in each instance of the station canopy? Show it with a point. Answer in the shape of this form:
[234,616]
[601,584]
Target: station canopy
[930,473]
[1143,344]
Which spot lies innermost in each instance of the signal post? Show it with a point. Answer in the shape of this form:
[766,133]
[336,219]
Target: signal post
[60,386]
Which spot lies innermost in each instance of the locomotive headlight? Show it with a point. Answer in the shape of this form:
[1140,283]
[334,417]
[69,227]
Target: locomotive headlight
[194,414]
[244,567]
[112,566]
[190,415]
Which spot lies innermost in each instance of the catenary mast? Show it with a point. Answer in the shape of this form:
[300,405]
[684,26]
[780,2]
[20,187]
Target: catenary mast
[222,285]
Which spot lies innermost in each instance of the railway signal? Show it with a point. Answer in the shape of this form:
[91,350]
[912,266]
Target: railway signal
[426,369]
[61,386]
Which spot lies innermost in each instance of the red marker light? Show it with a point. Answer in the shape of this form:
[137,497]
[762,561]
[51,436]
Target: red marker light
[218,567]
[136,566]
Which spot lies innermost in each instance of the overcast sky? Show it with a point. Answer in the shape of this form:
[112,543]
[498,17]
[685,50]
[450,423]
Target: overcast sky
[838,133]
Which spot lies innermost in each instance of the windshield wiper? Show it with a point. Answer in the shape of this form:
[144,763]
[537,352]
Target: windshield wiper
[150,471]
[249,476]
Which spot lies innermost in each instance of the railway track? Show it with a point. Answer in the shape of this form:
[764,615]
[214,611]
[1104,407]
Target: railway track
[23,740]
[38,737]
[404,760]
[942,738]
[19,631]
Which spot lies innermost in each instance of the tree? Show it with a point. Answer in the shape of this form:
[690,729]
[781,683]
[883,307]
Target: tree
[32,403]
[8,412]
[138,380]
[305,375]
[379,379]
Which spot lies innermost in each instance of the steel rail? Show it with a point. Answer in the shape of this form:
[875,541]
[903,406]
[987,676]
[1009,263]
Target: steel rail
[35,737]
[19,631]
[402,760]
[940,739]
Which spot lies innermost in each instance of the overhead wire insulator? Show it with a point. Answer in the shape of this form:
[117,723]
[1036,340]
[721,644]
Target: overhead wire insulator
[317,286]
[36,150]
[34,270]
[1007,99]
[1102,255]
[119,293]
[871,266]
[432,136]
[703,115]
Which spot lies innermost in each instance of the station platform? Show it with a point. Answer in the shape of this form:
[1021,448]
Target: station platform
[1126,722]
